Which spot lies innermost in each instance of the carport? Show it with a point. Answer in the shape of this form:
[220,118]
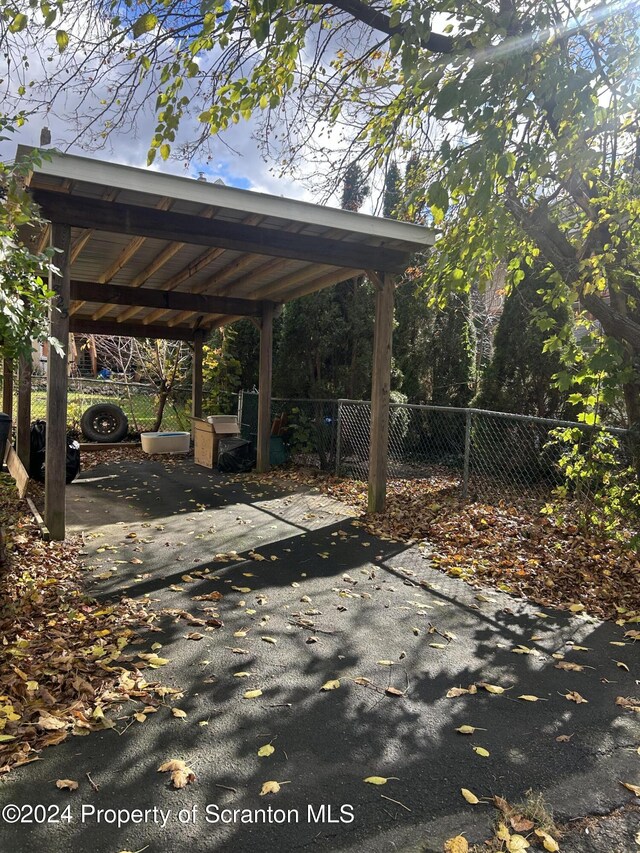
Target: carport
[152,255]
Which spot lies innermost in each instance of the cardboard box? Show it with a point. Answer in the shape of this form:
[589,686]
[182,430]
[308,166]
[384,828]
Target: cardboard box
[207,433]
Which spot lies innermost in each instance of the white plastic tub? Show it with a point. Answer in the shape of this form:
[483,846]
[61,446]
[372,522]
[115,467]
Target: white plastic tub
[165,442]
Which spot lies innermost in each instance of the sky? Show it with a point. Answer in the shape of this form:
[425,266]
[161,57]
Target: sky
[238,162]
[235,159]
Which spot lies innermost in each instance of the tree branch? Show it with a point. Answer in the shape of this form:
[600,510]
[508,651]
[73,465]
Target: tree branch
[434,42]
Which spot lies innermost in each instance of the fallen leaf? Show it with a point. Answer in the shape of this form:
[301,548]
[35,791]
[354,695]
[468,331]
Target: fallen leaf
[379,780]
[635,789]
[622,665]
[574,696]
[269,788]
[265,750]
[570,667]
[529,698]
[459,844]
[469,796]
[480,750]
[548,842]
[469,730]
[181,778]
[241,674]
[520,823]
[385,663]
[331,685]
[67,784]
[491,688]
[268,640]
[171,765]
[252,694]
[502,833]
[179,713]
[393,691]
[517,843]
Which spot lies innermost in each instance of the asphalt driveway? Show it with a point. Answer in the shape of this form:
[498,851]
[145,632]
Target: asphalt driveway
[309,598]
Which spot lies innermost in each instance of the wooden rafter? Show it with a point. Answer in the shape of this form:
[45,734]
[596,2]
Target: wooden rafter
[249,221]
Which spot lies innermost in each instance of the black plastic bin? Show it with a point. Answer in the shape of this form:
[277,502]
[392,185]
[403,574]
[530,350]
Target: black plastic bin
[5,432]
[235,455]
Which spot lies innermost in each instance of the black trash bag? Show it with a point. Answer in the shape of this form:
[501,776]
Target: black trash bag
[235,455]
[38,442]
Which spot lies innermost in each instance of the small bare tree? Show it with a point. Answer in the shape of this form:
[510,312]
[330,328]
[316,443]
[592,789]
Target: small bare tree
[164,364]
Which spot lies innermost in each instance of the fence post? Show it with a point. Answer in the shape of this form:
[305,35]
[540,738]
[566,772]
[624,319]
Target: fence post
[338,437]
[467,453]
[240,405]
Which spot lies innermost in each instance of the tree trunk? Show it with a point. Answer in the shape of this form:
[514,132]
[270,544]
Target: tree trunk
[163,396]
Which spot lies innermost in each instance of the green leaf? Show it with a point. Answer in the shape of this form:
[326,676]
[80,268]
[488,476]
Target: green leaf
[448,97]
[19,23]
[62,40]
[144,24]
[165,150]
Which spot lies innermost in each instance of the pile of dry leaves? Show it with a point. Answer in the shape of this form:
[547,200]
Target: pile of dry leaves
[510,545]
[62,662]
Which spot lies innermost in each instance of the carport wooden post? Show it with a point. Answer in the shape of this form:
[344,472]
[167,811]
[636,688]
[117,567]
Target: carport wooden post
[23,415]
[56,448]
[196,375]
[380,390]
[264,387]
[7,386]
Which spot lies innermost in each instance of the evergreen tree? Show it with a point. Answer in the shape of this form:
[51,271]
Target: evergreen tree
[453,353]
[392,192]
[354,188]
[325,341]
[519,377]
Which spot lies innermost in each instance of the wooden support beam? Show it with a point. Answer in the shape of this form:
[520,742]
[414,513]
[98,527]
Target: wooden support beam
[168,225]
[169,300]
[56,446]
[23,415]
[375,278]
[196,374]
[264,387]
[7,387]
[87,326]
[43,239]
[380,390]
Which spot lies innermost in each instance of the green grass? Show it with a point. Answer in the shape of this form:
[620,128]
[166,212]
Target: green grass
[139,409]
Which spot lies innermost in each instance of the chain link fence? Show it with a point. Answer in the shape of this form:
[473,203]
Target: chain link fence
[139,402]
[481,451]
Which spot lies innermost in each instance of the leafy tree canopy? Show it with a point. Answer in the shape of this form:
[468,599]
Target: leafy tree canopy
[23,292]
[528,112]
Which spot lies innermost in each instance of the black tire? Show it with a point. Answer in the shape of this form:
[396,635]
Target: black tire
[104,422]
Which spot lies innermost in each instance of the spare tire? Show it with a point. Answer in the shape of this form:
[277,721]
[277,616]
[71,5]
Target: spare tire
[104,422]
